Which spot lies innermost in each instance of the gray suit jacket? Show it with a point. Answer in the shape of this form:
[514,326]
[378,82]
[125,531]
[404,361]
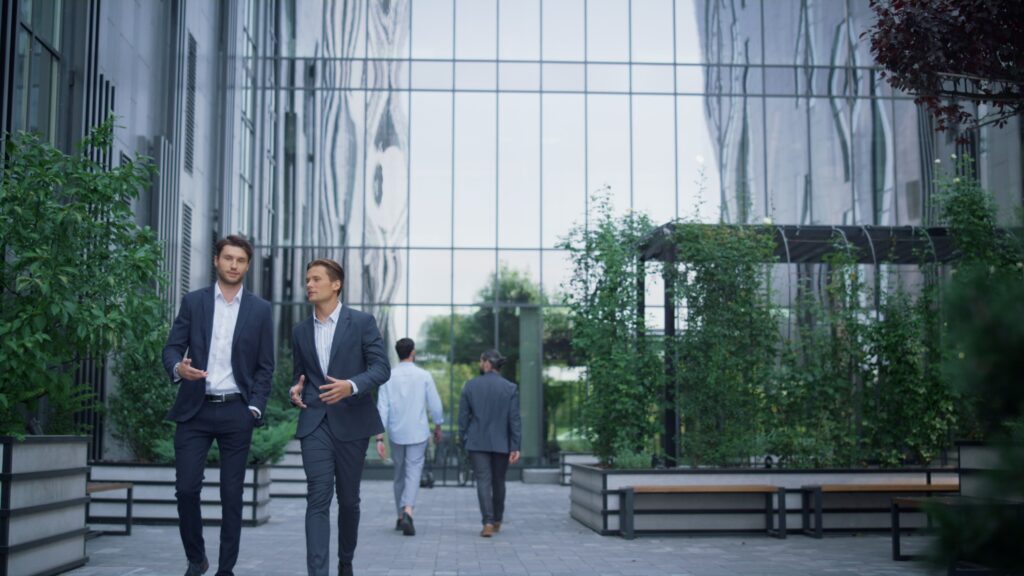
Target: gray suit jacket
[489,415]
[357,354]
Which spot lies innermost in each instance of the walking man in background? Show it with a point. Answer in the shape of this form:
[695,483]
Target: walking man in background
[403,406]
[490,430]
[220,353]
[339,352]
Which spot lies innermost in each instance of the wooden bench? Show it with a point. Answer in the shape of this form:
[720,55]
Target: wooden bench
[627,503]
[94,487]
[812,497]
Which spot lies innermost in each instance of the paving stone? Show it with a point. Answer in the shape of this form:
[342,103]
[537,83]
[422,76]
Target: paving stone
[538,539]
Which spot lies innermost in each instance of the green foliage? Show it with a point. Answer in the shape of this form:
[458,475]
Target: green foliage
[624,370]
[144,393]
[74,260]
[726,354]
[627,458]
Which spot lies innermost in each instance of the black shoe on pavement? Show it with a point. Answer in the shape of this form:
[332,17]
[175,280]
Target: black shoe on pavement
[398,524]
[407,526]
[197,569]
[345,569]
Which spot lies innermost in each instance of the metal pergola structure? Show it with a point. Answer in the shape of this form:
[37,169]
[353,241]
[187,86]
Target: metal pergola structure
[794,244]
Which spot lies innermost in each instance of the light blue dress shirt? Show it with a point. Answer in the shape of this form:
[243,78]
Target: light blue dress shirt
[403,403]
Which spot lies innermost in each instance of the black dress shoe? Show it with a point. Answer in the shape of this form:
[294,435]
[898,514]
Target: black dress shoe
[407,526]
[398,524]
[345,569]
[198,569]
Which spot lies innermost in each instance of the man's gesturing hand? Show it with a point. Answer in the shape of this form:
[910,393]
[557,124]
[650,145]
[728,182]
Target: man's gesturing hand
[296,392]
[187,372]
[335,390]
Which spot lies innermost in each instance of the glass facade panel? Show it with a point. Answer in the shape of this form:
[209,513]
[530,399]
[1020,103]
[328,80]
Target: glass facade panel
[564,191]
[519,30]
[608,30]
[519,277]
[430,170]
[430,276]
[654,156]
[514,76]
[519,170]
[652,32]
[564,78]
[432,27]
[474,276]
[477,76]
[698,160]
[608,78]
[608,143]
[558,269]
[475,170]
[432,76]
[657,79]
[563,29]
[22,66]
[476,29]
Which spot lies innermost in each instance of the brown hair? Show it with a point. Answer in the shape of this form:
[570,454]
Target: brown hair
[233,240]
[334,270]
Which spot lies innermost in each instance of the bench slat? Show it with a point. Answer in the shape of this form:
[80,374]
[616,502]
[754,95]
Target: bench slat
[707,489]
[92,487]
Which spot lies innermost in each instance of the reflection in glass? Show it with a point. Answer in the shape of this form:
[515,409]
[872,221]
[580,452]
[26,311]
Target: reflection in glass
[22,65]
[46,21]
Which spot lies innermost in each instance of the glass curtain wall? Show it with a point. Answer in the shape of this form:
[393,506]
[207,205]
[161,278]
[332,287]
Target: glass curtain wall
[441,149]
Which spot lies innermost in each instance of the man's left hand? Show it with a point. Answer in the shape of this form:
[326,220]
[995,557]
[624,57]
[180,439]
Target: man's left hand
[335,390]
[513,457]
[437,434]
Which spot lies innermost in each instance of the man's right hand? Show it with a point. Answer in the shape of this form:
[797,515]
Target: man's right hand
[296,392]
[187,372]
[382,450]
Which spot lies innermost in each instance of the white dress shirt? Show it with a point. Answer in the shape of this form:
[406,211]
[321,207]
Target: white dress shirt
[220,377]
[403,403]
[324,336]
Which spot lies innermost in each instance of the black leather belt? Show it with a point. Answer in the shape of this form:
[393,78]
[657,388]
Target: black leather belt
[223,397]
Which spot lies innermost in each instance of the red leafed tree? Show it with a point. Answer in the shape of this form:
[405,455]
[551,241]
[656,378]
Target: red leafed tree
[953,55]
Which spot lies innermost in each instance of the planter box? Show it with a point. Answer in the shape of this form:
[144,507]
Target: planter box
[594,499]
[977,461]
[567,459]
[154,501]
[42,504]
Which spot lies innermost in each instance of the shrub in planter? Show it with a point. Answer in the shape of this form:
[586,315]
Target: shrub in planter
[73,261]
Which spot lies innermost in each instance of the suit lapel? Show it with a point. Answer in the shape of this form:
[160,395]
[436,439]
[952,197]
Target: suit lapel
[208,320]
[344,320]
[309,342]
[245,306]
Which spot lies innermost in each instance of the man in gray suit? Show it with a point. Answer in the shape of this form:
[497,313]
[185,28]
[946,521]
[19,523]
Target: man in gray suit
[490,429]
[340,353]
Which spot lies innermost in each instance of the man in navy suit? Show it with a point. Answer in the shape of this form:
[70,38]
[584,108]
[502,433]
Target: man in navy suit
[339,360]
[220,354]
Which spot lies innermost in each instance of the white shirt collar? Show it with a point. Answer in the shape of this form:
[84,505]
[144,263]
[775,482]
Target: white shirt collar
[217,293]
[333,318]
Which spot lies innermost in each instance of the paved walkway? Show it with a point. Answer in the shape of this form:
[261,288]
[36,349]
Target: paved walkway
[538,538]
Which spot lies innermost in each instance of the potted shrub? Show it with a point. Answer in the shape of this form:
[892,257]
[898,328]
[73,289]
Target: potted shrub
[73,260]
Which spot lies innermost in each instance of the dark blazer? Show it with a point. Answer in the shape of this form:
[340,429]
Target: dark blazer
[357,354]
[489,415]
[252,350]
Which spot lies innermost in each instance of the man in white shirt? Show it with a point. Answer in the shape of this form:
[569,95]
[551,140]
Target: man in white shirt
[403,405]
[220,355]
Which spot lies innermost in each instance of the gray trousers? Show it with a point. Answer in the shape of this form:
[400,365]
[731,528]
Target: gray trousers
[490,469]
[408,460]
[331,466]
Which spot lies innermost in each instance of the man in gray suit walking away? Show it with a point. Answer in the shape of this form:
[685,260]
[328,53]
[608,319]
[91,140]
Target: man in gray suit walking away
[490,430]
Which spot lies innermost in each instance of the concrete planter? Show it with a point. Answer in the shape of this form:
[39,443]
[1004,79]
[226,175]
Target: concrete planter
[594,499]
[154,494]
[977,460]
[42,504]
[566,461]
